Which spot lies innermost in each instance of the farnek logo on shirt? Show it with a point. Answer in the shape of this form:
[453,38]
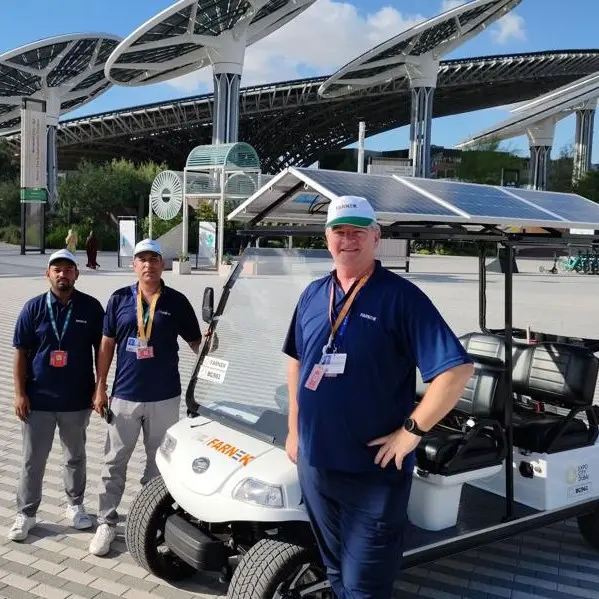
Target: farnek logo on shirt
[231,451]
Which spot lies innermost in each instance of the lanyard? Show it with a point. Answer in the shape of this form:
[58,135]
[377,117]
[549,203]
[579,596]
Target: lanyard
[53,319]
[340,324]
[145,320]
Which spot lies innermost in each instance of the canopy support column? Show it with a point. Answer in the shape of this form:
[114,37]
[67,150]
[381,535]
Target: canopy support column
[540,138]
[423,81]
[583,146]
[227,60]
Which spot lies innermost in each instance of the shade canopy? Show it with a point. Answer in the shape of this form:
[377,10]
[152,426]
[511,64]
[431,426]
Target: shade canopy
[301,196]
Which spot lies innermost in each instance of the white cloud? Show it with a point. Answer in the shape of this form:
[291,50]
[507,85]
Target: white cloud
[449,4]
[322,39]
[510,27]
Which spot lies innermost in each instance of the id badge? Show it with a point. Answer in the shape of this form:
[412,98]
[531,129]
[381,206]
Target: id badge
[335,364]
[144,353]
[58,358]
[315,377]
[132,344]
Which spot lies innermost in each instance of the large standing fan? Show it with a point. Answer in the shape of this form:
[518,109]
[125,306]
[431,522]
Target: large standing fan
[166,195]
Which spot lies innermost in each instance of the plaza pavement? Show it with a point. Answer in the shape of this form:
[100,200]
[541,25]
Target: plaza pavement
[551,563]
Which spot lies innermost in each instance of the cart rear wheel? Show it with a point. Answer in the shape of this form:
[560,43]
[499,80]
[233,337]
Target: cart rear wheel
[588,525]
[274,569]
[144,532]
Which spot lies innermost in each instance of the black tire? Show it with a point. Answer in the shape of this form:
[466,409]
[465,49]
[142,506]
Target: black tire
[144,532]
[269,569]
[588,525]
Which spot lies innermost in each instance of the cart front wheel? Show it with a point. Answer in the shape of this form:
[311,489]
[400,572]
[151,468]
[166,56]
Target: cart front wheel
[274,569]
[144,532]
[588,525]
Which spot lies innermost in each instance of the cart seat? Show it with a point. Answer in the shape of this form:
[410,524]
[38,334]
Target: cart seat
[559,375]
[481,443]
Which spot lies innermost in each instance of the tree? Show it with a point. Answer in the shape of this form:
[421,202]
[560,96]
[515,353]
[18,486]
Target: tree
[485,162]
[9,167]
[588,186]
[100,193]
[559,176]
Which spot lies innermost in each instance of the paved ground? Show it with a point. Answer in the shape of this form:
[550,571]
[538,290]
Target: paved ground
[552,563]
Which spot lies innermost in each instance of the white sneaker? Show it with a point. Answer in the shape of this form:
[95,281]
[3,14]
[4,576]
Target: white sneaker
[100,544]
[78,517]
[20,529]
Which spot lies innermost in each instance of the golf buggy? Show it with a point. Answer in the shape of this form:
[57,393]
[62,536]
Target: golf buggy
[517,453]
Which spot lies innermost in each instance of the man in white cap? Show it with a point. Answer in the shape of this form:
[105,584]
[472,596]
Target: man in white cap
[354,343]
[143,322]
[55,338]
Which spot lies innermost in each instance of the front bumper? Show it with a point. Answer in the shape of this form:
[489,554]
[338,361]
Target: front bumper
[194,547]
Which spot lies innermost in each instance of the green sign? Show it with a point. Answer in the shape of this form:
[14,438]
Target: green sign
[33,194]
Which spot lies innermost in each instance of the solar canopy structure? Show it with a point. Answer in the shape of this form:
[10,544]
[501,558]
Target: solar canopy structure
[300,196]
[65,72]
[537,119]
[417,53]
[193,34]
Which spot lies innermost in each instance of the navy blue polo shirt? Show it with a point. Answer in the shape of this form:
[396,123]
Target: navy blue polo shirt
[72,387]
[393,328]
[157,378]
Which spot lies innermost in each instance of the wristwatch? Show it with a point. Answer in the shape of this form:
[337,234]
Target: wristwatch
[411,426]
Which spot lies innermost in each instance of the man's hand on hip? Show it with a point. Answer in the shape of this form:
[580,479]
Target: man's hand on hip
[395,446]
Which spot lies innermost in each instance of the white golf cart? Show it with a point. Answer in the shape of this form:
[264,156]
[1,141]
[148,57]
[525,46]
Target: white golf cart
[228,498]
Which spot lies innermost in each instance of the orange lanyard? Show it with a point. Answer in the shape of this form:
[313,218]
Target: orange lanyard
[346,306]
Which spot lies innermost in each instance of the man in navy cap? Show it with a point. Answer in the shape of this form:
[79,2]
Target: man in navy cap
[354,343]
[55,338]
[142,323]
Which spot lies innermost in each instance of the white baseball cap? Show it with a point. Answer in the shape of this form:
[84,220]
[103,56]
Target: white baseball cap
[350,210]
[147,245]
[62,255]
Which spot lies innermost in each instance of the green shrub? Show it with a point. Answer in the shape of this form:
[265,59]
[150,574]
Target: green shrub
[11,234]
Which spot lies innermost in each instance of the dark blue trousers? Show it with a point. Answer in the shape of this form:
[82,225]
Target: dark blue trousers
[359,521]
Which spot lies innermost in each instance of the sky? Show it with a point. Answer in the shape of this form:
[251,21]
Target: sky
[325,37]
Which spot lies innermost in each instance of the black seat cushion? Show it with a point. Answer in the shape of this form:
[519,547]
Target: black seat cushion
[536,432]
[485,392]
[437,453]
[557,374]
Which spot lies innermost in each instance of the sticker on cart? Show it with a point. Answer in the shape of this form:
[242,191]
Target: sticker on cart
[579,491]
[214,370]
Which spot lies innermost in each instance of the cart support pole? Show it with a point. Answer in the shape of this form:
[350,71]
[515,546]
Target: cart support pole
[482,289]
[509,431]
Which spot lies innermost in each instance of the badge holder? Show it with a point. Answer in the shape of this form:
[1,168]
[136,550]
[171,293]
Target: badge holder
[58,358]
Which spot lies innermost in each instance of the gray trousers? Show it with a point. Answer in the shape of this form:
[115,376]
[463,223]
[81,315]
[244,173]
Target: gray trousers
[130,417]
[38,436]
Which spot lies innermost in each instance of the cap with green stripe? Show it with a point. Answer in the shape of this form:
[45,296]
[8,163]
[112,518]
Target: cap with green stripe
[354,211]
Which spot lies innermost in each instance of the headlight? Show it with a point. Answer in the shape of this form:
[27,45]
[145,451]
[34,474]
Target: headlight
[168,445]
[252,490]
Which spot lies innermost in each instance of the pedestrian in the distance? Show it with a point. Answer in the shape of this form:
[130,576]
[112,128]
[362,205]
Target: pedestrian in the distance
[91,248]
[55,339]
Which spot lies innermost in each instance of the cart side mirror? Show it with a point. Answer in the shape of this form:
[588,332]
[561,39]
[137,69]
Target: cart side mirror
[208,304]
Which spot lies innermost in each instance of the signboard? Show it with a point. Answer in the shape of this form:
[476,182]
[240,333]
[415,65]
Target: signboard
[127,230]
[390,166]
[34,151]
[207,241]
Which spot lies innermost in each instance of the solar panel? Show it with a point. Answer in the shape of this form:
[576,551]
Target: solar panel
[483,202]
[384,193]
[571,207]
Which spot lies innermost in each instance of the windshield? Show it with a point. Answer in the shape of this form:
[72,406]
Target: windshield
[245,377]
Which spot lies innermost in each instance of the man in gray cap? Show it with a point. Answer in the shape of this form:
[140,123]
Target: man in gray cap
[142,323]
[55,338]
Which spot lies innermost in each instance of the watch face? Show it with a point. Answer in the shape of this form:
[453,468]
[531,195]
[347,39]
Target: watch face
[409,425]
